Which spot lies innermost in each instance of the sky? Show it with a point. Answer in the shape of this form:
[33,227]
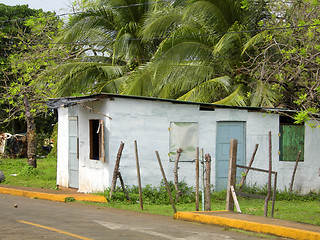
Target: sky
[59,6]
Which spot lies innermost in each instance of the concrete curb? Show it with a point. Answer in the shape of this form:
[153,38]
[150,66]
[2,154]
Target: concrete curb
[280,231]
[53,197]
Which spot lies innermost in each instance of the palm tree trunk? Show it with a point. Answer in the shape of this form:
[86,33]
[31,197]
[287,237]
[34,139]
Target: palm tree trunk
[31,134]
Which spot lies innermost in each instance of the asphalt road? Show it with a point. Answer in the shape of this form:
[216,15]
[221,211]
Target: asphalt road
[25,218]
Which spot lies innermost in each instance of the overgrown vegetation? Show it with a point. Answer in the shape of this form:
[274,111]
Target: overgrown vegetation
[288,206]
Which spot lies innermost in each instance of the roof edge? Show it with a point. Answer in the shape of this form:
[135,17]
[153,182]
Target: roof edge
[55,103]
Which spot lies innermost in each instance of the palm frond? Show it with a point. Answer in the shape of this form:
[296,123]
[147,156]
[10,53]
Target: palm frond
[262,95]
[83,77]
[208,91]
[253,41]
[160,25]
[207,13]
[140,82]
[236,98]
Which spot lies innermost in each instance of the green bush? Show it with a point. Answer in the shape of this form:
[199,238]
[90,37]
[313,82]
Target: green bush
[153,195]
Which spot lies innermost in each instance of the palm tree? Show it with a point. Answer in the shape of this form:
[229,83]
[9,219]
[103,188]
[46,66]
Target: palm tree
[200,56]
[186,50]
[106,46]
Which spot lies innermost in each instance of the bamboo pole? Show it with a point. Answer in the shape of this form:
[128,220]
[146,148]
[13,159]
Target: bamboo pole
[294,171]
[166,183]
[175,172]
[116,169]
[269,177]
[138,174]
[197,179]
[232,173]
[208,189]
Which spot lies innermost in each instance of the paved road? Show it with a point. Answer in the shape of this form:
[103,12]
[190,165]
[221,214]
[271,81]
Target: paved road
[25,218]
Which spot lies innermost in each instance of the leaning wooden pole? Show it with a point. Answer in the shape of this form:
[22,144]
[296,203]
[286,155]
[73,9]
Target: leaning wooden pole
[197,179]
[116,169]
[269,177]
[232,173]
[175,173]
[250,164]
[208,189]
[138,174]
[166,182]
[123,186]
[294,172]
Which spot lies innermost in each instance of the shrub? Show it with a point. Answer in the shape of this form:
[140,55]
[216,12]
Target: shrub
[153,195]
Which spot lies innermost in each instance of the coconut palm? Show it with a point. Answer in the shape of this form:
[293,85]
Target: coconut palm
[187,50]
[105,44]
[201,52]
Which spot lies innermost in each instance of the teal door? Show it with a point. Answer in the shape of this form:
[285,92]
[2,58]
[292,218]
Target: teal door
[73,153]
[225,132]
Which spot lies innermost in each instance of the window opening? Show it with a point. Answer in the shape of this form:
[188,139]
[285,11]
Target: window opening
[97,140]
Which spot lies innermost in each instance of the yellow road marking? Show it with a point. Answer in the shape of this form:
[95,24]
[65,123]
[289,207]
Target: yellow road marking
[55,230]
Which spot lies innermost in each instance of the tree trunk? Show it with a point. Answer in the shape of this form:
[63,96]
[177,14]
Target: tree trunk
[31,134]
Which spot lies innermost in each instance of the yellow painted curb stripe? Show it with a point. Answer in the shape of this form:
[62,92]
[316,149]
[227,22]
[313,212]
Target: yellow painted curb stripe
[55,230]
[250,226]
[53,197]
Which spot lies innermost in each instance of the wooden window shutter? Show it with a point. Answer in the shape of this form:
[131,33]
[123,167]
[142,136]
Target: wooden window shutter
[91,138]
[291,141]
[101,142]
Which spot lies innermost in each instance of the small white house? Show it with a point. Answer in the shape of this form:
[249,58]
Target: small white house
[91,128]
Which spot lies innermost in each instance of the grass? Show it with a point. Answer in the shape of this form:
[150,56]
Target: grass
[18,173]
[292,207]
[299,211]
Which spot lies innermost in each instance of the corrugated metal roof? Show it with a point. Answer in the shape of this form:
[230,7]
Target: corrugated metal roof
[69,101]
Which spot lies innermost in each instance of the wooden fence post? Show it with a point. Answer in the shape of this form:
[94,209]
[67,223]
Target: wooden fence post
[269,177]
[232,173]
[208,189]
[175,173]
[116,169]
[274,193]
[138,174]
[166,182]
[202,172]
[197,179]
